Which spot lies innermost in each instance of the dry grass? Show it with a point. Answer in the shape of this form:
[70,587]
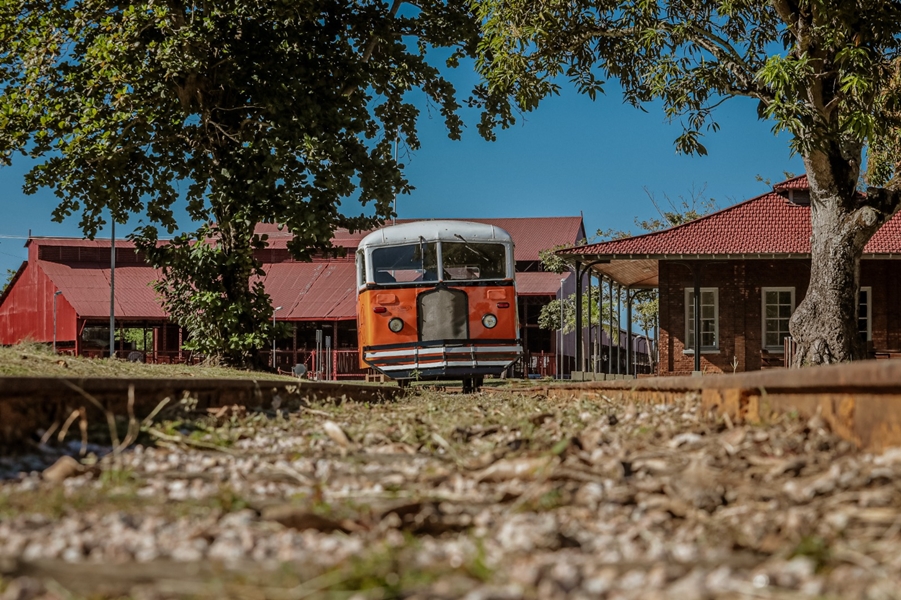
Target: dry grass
[37,360]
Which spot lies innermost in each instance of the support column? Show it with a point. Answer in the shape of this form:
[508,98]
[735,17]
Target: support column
[335,347]
[78,329]
[696,271]
[590,331]
[526,355]
[619,338]
[629,357]
[656,355]
[578,350]
[610,336]
[600,342]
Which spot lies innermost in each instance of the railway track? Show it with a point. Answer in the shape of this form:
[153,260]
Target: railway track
[32,404]
[860,402]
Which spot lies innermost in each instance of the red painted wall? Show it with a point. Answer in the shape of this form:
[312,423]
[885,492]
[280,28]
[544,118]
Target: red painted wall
[27,312]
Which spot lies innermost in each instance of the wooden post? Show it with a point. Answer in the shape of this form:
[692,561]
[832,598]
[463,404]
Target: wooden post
[335,347]
[79,328]
[294,344]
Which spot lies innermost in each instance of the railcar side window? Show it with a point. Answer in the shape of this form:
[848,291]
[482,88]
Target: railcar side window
[472,260]
[406,264]
[361,268]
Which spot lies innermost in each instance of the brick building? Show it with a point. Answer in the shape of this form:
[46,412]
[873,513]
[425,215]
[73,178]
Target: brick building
[751,265]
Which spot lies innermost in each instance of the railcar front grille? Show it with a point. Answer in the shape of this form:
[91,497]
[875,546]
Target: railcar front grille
[443,314]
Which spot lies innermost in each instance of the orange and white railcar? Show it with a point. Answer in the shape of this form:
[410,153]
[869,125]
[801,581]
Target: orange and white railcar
[437,300]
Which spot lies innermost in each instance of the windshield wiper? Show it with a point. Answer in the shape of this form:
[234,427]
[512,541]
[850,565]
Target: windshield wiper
[470,248]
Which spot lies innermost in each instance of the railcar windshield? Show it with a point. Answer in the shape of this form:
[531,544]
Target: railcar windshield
[406,264]
[473,260]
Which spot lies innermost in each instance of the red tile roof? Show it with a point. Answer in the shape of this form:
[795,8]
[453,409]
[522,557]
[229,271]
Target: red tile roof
[766,225]
[795,183]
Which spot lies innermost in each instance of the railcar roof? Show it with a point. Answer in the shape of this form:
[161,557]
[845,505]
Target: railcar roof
[439,230]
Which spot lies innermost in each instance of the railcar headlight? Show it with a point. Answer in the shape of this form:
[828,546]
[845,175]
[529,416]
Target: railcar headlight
[489,321]
[395,325]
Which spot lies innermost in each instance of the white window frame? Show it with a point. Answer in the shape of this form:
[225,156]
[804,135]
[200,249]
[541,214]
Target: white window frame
[772,349]
[868,290]
[360,262]
[689,317]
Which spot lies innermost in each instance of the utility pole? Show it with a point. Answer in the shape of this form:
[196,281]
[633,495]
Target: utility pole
[560,347]
[394,222]
[112,287]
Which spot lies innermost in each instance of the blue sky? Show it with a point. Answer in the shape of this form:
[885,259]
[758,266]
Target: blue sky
[571,156]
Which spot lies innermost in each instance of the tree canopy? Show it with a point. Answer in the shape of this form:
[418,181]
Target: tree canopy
[249,112]
[826,72]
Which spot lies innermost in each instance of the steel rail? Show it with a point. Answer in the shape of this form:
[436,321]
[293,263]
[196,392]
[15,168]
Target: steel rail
[860,402]
[32,404]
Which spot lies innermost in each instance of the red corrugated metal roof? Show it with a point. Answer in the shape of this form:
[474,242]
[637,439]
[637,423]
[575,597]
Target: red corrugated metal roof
[312,291]
[768,224]
[86,286]
[307,291]
[323,290]
[539,283]
[530,234]
[77,242]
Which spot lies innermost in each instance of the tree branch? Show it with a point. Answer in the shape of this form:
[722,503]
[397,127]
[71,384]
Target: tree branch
[374,42]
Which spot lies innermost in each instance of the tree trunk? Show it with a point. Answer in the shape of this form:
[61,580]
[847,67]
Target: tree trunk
[824,326]
[237,268]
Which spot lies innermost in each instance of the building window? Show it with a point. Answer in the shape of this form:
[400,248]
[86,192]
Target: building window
[865,314]
[710,316]
[778,306]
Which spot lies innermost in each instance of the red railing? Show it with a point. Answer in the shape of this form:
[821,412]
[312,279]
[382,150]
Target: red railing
[334,364]
[542,364]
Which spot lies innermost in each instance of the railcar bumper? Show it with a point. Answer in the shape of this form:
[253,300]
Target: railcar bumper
[443,359]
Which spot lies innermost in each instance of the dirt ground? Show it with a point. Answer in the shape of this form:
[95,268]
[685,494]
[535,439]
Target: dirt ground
[492,495]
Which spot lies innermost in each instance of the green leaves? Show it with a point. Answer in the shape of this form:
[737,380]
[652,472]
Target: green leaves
[264,111]
[823,71]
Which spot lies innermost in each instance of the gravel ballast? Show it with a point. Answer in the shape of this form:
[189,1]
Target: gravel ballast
[492,495]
